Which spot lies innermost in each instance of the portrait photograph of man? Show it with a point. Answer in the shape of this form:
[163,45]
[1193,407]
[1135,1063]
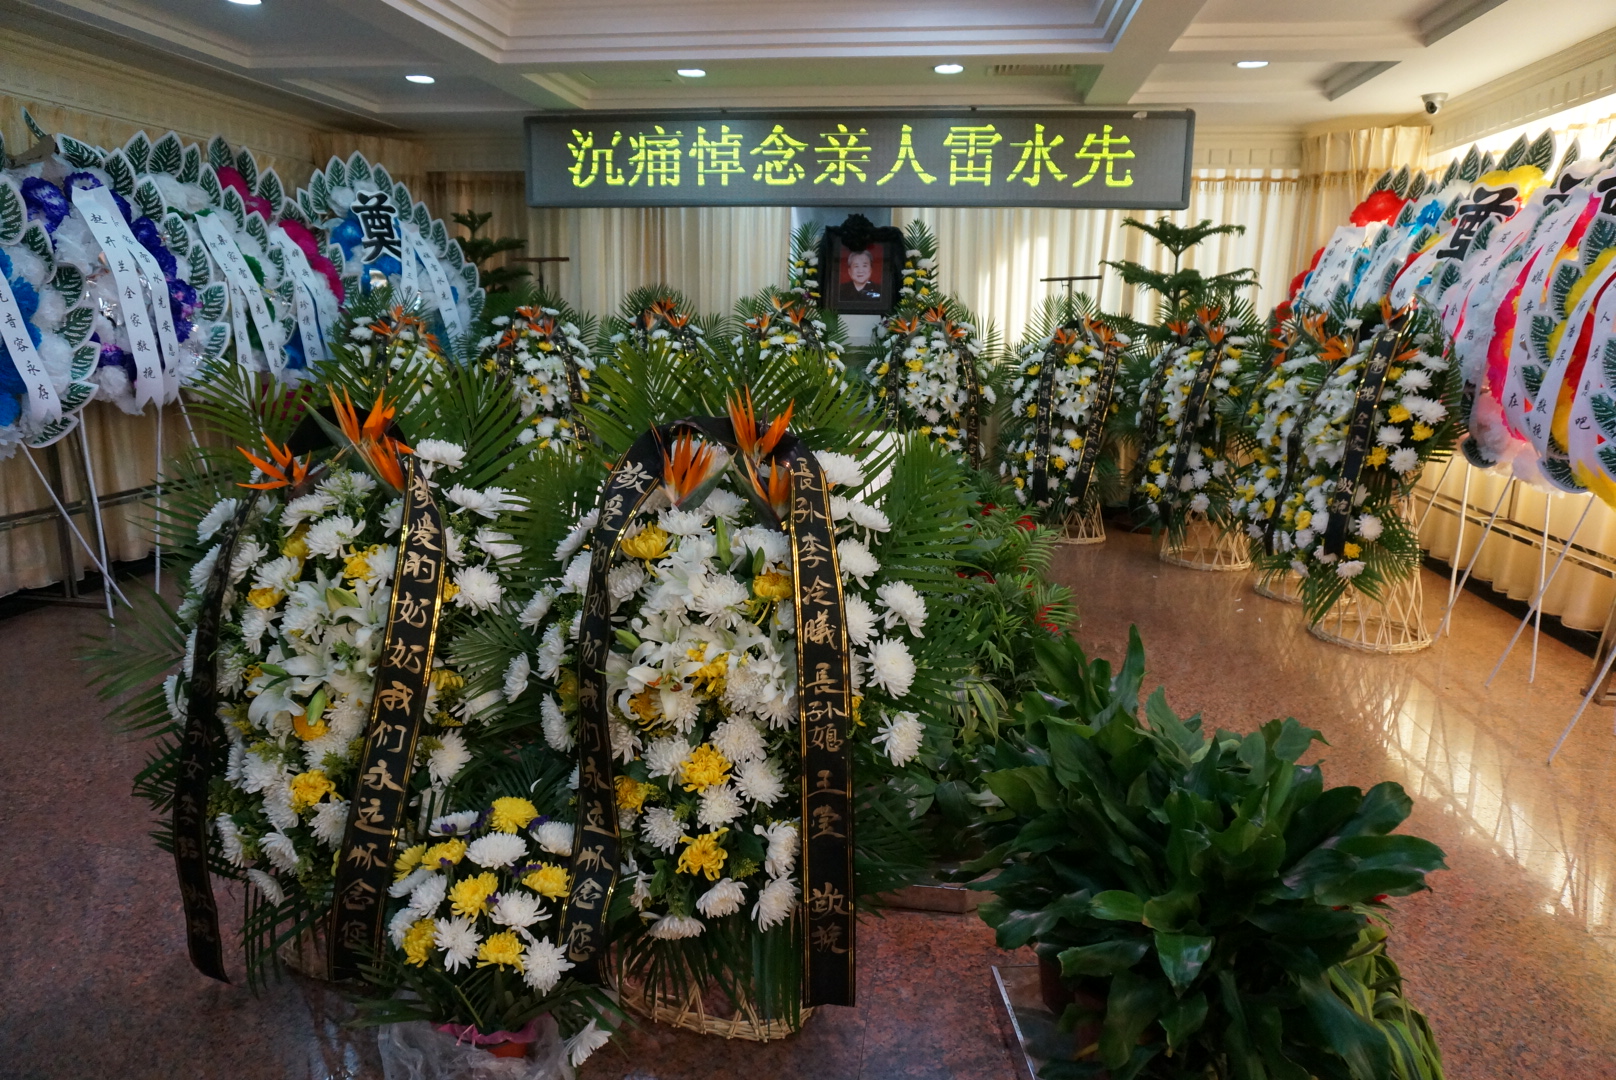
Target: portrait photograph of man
[864,281]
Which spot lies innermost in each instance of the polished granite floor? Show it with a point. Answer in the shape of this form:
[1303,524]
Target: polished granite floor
[1512,953]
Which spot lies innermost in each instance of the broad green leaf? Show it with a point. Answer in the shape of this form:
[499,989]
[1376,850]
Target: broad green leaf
[1172,910]
[1103,958]
[1183,1019]
[1130,1008]
[1182,956]
[1118,906]
[1164,720]
[1344,1031]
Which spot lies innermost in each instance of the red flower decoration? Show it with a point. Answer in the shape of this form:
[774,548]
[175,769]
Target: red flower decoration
[1381,206]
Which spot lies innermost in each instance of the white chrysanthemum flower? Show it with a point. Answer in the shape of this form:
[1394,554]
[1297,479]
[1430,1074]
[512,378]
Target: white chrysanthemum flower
[904,604]
[1369,527]
[400,924]
[861,619]
[516,676]
[458,939]
[624,580]
[496,850]
[683,522]
[536,609]
[723,504]
[721,594]
[543,964]
[330,822]
[281,851]
[868,517]
[675,927]
[554,837]
[719,806]
[661,829]
[230,839]
[392,517]
[1424,408]
[1389,435]
[448,759]
[305,508]
[891,666]
[781,856]
[724,898]
[586,1042]
[489,503]
[497,545]
[551,653]
[901,734]
[664,756]
[429,893]
[575,579]
[434,452]
[456,824]
[214,519]
[841,470]
[268,886]
[517,908]
[330,536]
[680,706]
[738,739]
[404,885]
[1350,569]
[480,589]
[759,781]
[856,560]
[575,539]
[1405,460]
[204,570]
[1200,503]
[556,730]
[775,903]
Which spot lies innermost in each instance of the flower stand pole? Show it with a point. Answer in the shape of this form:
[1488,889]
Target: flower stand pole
[1205,546]
[1393,625]
[1084,527]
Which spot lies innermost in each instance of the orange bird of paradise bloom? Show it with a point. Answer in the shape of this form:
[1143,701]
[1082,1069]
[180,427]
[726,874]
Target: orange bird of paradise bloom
[286,470]
[370,438]
[755,447]
[693,463]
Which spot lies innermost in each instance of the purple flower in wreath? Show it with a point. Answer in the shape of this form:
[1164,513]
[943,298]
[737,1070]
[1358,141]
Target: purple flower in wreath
[45,202]
[112,356]
[146,231]
[182,303]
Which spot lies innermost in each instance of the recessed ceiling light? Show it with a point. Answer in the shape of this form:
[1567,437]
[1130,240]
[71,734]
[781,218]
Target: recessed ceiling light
[424,80]
[693,73]
[1250,63]
[247,3]
[949,69]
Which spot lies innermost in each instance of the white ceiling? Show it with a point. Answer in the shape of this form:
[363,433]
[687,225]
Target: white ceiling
[344,61]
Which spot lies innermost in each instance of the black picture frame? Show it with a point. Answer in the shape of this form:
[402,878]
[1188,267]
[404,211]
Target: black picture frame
[842,248]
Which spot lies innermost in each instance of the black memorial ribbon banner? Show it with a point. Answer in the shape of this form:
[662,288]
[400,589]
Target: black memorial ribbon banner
[196,765]
[1105,382]
[894,381]
[973,403]
[824,695]
[381,793]
[1190,419]
[1038,483]
[1370,384]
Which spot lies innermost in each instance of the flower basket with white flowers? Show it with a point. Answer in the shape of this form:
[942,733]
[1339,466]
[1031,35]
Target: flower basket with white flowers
[542,347]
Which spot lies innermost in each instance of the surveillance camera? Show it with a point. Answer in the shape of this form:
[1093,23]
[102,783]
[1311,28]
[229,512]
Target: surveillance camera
[1434,102]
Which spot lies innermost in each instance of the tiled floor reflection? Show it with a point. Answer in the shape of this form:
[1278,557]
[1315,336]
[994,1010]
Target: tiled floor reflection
[1513,952]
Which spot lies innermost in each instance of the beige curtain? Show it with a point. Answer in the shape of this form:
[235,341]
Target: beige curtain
[994,259]
[1512,554]
[123,450]
[1338,169]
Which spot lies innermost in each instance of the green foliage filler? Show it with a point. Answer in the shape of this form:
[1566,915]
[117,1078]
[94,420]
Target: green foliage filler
[1222,902]
[479,249]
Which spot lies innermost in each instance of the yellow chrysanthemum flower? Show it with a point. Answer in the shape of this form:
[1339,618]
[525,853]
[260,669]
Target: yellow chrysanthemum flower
[418,941]
[711,676]
[469,896]
[1377,456]
[704,768]
[1398,413]
[548,880]
[445,679]
[631,794]
[1422,432]
[503,948]
[294,545]
[309,788]
[511,813]
[704,855]
[450,851]
[265,598]
[1303,519]
[772,586]
[1351,551]
[407,860]
[649,543]
[450,591]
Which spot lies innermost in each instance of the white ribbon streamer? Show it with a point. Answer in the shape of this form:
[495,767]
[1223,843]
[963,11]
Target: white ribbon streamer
[112,233]
[222,246]
[44,406]
[417,247]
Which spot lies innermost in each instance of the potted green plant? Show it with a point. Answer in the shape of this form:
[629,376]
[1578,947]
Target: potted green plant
[1213,908]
